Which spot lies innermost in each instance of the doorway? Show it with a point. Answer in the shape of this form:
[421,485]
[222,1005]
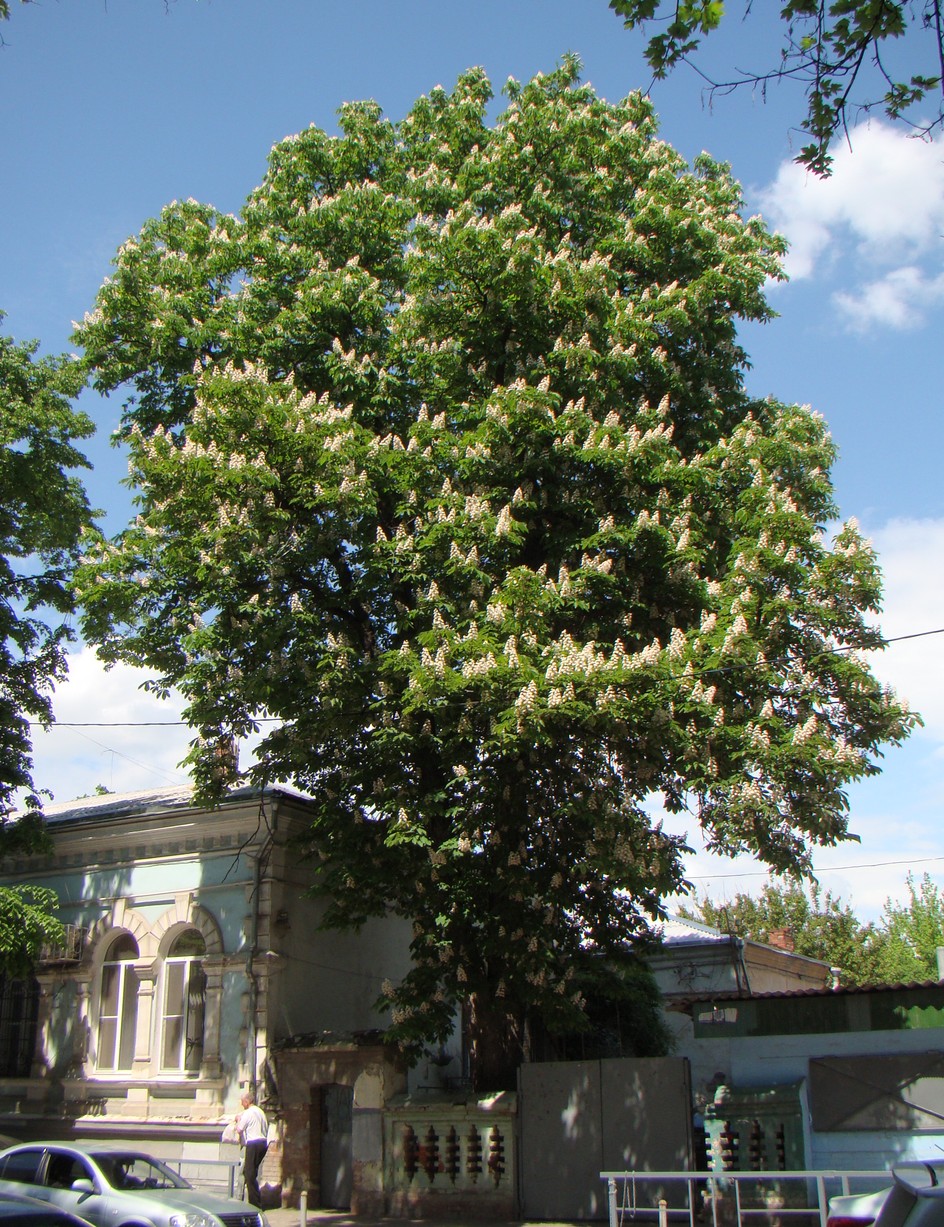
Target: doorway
[332,1116]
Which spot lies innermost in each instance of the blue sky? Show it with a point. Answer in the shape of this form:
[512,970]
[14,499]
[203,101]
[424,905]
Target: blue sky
[113,109]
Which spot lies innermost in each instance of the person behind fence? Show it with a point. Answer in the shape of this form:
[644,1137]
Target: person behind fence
[253,1128]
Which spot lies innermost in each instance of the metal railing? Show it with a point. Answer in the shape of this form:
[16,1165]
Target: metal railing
[731,1199]
[214,1175]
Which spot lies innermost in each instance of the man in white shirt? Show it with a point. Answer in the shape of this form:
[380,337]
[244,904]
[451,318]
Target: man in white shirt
[254,1134]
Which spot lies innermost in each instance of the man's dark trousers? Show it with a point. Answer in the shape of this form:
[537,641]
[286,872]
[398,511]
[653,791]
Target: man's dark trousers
[255,1153]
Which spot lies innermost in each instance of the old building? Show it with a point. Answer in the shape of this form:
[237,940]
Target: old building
[193,969]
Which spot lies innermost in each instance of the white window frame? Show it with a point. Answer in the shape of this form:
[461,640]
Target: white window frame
[125,1018]
[181,1062]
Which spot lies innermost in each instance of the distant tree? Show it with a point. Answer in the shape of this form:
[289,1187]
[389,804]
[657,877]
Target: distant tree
[443,457]
[822,926]
[43,511]
[913,931]
[100,791]
[844,53]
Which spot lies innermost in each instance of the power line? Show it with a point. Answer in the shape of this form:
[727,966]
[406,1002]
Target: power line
[695,877]
[127,757]
[913,635]
[125,724]
[144,724]
[765,873]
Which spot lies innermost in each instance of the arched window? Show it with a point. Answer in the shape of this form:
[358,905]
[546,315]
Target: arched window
[118,1011]
[183,1004]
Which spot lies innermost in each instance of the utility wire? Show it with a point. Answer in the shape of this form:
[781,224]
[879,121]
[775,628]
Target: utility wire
[127,757]
[750,873]
[709,669]
[766,873]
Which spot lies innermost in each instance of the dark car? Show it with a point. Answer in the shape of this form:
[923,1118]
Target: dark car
[112,1186]
[32,1213]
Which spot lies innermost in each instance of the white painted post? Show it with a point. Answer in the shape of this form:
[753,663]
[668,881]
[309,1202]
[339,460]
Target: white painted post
[303,1207]
[823,1200]
[663,1212]
[611,1200]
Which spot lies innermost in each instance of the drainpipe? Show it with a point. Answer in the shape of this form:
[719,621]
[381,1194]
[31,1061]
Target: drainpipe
[740,968]
[251,1054]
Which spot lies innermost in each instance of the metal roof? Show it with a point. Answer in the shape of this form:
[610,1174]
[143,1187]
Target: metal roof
[678,931]
[846,990]
[151,801]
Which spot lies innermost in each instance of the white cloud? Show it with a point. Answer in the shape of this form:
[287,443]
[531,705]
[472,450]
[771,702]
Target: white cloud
[137,743]
[882,208]
[133,748]
[911,553]
[899,299]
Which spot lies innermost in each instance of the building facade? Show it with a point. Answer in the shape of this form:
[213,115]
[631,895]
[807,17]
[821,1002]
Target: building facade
[193,966]
[194,969]
[861,1067]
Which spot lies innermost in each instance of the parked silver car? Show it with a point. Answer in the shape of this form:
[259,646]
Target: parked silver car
[915,1198]
[116,1187]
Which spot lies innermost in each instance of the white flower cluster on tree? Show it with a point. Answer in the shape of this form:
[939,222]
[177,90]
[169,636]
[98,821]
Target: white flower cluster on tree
[444,459]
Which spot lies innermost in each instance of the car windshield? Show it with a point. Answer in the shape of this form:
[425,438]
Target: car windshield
[127,1170]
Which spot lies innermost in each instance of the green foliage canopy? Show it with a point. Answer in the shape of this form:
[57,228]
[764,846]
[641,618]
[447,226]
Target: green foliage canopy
[845,53]
[27,924]
[623,1013]
[5,10]
[43,511]
[899,948]
[913,932]
[822,926]
[444,460]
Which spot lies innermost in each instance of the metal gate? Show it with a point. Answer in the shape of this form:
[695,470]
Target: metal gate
[580,1118]
[337,1168]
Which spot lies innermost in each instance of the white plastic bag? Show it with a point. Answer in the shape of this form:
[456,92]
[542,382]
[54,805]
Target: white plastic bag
[230,1134]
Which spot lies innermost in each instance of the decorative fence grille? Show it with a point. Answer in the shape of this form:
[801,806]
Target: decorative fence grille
[456,1153]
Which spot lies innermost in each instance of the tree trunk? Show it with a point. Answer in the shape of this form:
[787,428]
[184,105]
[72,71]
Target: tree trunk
[495,1045]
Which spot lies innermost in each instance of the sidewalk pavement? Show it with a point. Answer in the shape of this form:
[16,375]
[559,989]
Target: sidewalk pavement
[342,1218]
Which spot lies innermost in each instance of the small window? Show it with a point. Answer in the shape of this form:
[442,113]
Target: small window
[22,1166]
[118,1009]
